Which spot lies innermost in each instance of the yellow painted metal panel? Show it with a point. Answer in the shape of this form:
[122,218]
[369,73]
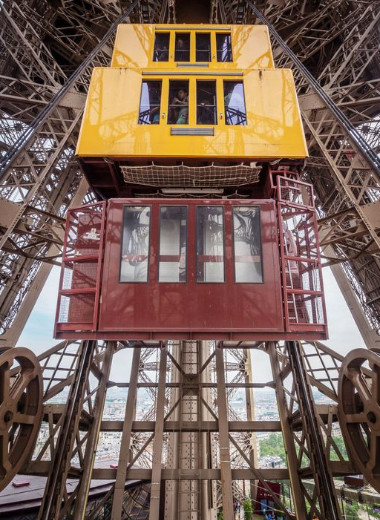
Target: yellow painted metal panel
[110,125]
[134,46]
[251,47]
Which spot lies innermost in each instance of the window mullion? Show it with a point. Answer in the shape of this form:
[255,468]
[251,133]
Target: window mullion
[220,102]
[164,101]
[213,47]
[192,101]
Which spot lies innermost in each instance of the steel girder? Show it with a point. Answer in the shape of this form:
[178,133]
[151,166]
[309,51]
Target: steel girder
[191,434]
[331,166]
[325,39]
[339,44]
[41,111]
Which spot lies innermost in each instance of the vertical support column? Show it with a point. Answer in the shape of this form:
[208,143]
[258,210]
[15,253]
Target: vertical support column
[172,486]
[224,441]
[154,512]
[207,509]
[130,411]
[189,498]
[250,417]
[291,455]
[189,448]
[60,465]
[323,480]
[89,459]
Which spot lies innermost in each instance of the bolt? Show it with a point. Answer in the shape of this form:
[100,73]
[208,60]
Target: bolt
[371,416]
[8,416]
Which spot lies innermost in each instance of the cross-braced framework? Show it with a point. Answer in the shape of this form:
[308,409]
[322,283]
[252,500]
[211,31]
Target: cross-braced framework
[339,45]
[48,54]
[188,441]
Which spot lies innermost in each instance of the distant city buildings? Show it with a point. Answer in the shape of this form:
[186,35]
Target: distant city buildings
[109,442]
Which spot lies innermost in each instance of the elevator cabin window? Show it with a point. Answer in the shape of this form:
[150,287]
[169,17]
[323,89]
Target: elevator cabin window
[178,105]
[210,244]
[182,47]
[202,47]
[234,104]
[247,245]
[206,103]
[150,100]
[223,47]
[135,244]
[173,244]
[161,47]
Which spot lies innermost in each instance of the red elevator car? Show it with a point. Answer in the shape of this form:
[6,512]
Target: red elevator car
[205,269]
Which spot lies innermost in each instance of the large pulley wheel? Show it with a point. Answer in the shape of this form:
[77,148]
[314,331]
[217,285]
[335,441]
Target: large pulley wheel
[20,409]
[359,411]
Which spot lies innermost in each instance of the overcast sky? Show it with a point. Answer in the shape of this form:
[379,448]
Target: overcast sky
[344,335]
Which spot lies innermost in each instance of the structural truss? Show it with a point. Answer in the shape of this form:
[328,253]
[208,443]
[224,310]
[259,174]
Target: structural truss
[189,454]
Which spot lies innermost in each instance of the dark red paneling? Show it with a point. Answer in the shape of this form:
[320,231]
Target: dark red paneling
[191,307]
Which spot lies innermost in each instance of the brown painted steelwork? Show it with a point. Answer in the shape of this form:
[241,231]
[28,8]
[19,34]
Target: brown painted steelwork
[339,44]
[20,409]
[359,411]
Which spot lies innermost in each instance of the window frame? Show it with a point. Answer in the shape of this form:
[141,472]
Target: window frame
[202,80]
[169,32]
[192,78]
[159,241]
[229,33]
[125,206]
[190,105]
[193,31]
[191,45]
[258,207]
[151,80]
[196,242]
[224,81]
[196,33]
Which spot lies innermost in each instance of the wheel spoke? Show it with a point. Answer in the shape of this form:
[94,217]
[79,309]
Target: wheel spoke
[374,452]
[361,386]
[5,464]
[359,392]
[4,382]
[376,383]
[23,418]
[356,418]
[21,384]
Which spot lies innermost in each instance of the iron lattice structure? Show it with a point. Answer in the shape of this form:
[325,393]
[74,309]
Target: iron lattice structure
[47,51]
[44,44]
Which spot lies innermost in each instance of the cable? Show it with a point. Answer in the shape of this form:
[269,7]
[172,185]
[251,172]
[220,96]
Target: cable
[325,481]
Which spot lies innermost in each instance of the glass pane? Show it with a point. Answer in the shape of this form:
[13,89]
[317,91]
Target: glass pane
[203,47]
[150,103]
[173,241]
[247,245]
[182,47]
[178,113]
[234,104]
[161,47]
[206,103]
[210,244]
[223,47]
[135,244]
